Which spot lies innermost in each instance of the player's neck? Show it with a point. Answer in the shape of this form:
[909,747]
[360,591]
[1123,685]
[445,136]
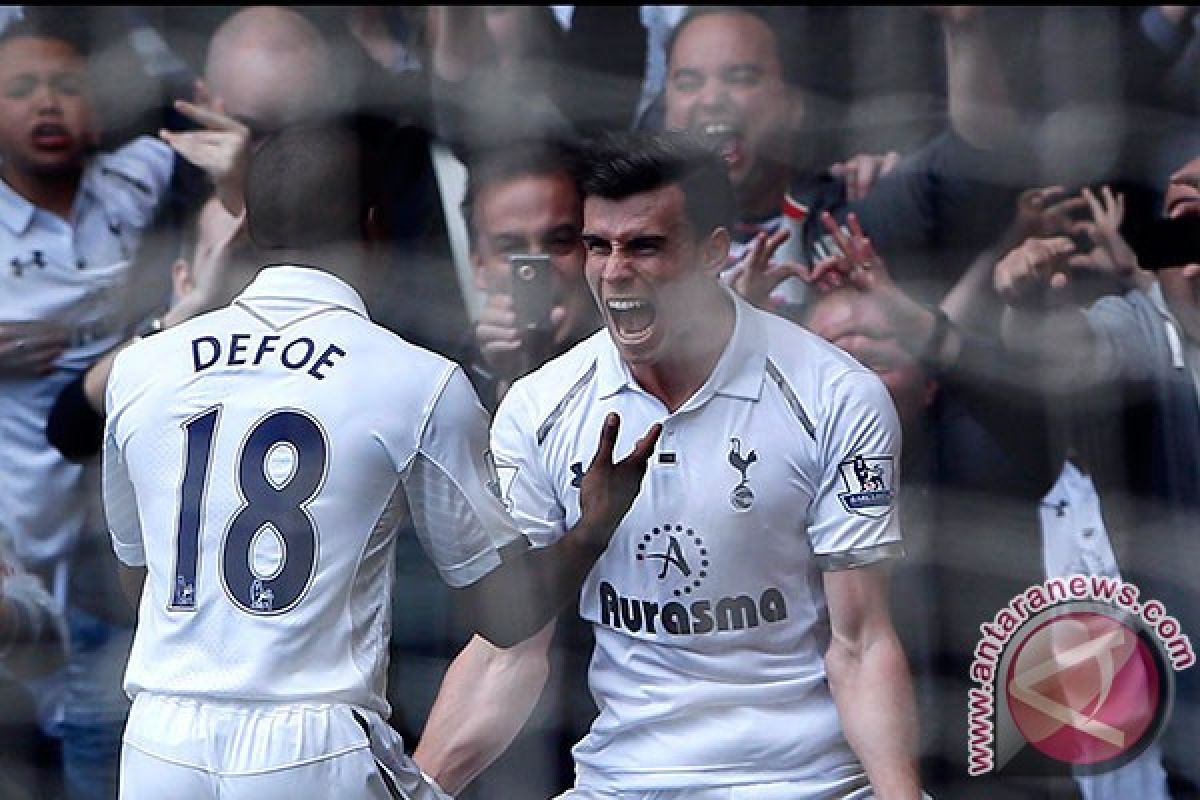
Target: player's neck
[678,375]
[345,261]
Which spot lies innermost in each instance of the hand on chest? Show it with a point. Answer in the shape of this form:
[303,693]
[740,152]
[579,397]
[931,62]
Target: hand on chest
[713,509]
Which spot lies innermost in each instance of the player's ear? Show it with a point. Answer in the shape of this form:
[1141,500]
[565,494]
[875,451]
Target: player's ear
[182,281]
[715,250]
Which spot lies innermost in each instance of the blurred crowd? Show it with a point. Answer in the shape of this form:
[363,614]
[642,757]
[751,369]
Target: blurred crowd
[996,209]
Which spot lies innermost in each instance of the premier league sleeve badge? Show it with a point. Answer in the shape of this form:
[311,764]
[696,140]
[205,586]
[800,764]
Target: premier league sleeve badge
[870,485]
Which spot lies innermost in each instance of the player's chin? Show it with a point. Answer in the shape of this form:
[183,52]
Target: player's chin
[644,349]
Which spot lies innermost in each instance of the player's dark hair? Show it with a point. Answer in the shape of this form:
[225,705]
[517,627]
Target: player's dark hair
[622,164]
[507,161]
[311,184]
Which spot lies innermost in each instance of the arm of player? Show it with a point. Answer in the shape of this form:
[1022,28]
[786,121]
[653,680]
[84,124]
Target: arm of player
[519,597]
[869,679]
[485,699]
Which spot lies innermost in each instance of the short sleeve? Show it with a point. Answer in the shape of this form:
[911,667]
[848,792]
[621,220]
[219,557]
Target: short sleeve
[451,489]
[120,502]
[853,520]
[525,486]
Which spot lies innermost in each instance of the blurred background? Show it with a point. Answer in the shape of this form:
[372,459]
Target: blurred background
[963,137]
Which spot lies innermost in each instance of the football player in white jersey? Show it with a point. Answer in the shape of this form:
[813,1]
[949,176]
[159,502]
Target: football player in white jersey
[257,461]
[743,641]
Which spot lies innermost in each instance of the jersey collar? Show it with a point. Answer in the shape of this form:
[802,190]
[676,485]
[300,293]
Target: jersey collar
[309,284]
[739,371]
[15,211]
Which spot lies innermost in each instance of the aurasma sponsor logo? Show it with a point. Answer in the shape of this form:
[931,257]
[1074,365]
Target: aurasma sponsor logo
[1079,668]
[698,616]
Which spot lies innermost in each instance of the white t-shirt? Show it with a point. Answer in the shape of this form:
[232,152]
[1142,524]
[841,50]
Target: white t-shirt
[708,605]
[258,460]
[75,274]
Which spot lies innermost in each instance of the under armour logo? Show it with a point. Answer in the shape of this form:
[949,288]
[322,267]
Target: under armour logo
[577,473]
[1060,507]
[36,259]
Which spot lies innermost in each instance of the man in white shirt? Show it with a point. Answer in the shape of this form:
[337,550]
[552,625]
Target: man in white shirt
[744,647]
[257,461]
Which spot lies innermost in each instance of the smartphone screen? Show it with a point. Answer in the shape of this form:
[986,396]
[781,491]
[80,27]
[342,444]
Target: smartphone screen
[532,291]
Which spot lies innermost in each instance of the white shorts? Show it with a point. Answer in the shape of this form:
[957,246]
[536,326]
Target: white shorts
[191,750]
[778,790]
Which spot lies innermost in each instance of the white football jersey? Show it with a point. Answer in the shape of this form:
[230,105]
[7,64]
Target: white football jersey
[257,460]
[708,605]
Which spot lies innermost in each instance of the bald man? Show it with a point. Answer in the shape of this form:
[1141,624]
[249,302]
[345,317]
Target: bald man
[269,66]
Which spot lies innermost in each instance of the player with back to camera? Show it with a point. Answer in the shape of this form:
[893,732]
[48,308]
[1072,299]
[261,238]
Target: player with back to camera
[257,461]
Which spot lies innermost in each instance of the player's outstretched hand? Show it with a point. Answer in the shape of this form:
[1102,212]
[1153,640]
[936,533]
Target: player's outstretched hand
[220,147]
[608,489]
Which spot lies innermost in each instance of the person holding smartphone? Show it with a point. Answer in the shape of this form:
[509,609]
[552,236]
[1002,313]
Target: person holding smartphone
[524,213]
